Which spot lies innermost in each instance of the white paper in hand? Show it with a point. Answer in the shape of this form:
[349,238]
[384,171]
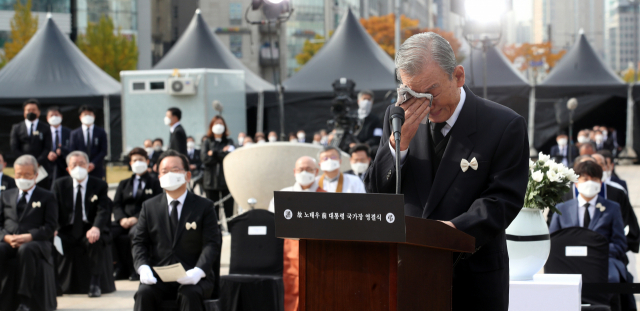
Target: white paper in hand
[170,273]
[42,174]
[57,242]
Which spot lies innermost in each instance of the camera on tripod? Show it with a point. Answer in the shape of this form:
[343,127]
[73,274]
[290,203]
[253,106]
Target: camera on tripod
[346,124]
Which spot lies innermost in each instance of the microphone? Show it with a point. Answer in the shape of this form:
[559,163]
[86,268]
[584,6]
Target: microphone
[396,119]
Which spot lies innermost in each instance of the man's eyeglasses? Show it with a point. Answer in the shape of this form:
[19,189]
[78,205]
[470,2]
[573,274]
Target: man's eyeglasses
[173,170]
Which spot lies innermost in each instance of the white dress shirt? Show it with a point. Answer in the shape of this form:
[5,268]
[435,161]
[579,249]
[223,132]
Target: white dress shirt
[351,184]
[295,187]
[83,184]
[180,199]
[84,133]
[581,208]
[29,193]
[28,123]
[135,185]
[445,130]
[173,127]
[190,153]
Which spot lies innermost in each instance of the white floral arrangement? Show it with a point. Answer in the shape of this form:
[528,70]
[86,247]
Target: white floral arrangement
[548,182]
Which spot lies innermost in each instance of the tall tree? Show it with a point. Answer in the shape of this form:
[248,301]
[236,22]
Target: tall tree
[23,26]
[310,48]
[108,48]
[528,54]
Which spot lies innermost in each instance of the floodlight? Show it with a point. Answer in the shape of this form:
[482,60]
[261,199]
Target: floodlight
[572,104]
[273,1]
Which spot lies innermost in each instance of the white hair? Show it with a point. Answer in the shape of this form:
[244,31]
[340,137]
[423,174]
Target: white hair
[77,154]
[26,160]
[419,48]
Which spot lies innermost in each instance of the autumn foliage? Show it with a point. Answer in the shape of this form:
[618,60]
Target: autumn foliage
[541,52]
[310,48]
[23,26]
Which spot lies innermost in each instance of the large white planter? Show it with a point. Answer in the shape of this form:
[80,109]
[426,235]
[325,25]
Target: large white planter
[528,244]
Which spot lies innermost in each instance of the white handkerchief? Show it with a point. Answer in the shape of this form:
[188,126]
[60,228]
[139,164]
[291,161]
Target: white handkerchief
[57,243]
[42,174]
[171,273]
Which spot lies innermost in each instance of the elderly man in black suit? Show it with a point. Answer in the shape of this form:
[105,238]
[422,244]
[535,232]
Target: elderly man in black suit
[6,182]
[32,137]
[92,140]
[28,219]
[84,214]
[178,139]
[466,167]
[60,143]
[176,227]
[127,203]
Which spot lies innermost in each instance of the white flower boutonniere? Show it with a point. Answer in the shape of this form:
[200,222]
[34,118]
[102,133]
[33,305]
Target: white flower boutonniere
[191,226]
[36,133]
[94,198]
[36,204]
[148,191]
[600,207]
[3,188]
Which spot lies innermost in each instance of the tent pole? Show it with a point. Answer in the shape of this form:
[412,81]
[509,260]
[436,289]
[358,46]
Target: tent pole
[628,154]
[397,26]
[260,113]
[532,120]
[107,125]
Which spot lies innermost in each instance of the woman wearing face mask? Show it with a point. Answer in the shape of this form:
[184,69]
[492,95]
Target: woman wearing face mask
[127,203]
[214,149]
[588,210]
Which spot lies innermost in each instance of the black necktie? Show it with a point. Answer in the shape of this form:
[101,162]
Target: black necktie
[56,140]
[587,217]
[77,215]
[436,132]
[174,216]
[22,204]
[33,129]
[138,188]
[89,142]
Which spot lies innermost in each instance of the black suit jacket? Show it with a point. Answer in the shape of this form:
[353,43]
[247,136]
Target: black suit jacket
[99,148]
[60,164]
[97,204]
[480,202]
[555,154]
[125,204]
[38,145]
[153,245]
[195,158]
[40,217]
[178,140]
[368,133]
[6,183]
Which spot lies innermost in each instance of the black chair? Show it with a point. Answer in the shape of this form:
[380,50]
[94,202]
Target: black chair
[255,273]
[47,288]
[594,267]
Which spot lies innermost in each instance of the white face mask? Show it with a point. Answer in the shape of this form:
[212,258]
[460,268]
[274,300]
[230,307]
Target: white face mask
[604,133]
[364,108]
[87,120]
[330,165]
[248,144]
[240,139]
[149,150]
[139,167]
[599,139]
[261,141]
[157,148]
[55,120]
[167,121]
[301,136]
[562,142]
[293,140]
[273,139]
[25,184]
[191,145]
[589,189]
[79,173]
[172,181]
[217,129]
[583,139]
[305,178]
[359,168]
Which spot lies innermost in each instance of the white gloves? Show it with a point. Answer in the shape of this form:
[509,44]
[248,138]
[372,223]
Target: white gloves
[146,276]
[193,277]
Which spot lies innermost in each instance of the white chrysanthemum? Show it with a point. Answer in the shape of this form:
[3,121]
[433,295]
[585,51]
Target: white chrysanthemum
[537,176]
[543,157]
[531,164]
[553,177]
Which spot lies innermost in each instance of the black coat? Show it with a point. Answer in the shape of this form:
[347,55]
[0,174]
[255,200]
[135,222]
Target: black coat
[6,183]
[178,140]
[153,245]
[38,145]
[371,131]
[213,171]
[97,204]
[481,203]
[555,154]
[40,220]
[99,148]
[59,166]
[125,205]
[195,158]
[154,158]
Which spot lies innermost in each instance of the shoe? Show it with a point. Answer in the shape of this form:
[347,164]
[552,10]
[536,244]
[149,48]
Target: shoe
[94,291]
[134,277]
[23,307]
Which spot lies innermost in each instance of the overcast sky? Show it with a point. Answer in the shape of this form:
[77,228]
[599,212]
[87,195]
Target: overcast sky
[523,9]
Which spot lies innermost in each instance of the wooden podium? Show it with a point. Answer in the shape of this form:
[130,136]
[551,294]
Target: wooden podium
[393,262]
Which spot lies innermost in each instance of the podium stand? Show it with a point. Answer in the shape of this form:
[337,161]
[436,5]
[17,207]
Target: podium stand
[360,252]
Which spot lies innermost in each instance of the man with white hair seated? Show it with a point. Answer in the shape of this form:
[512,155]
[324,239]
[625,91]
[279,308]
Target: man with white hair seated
[28,218]
[305,172]
[332,180]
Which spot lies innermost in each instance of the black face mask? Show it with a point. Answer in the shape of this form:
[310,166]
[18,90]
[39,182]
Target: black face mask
[31,116]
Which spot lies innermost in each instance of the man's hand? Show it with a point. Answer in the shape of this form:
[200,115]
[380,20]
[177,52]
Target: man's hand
[226,148]
[52,156]
[20,239]
[58,152]
[132,221]
[91,167]
[9,239]
[448,223]
[93,235]
[415,110]
[146,276]
[192,167]
[124,223]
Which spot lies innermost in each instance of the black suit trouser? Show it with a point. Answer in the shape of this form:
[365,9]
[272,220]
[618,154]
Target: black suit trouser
[29,256]
[95,251]
[190,297]
[122,247]
[480,291]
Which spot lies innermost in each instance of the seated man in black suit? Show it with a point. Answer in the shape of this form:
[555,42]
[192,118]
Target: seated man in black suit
[6,182]
[84,214]
[92,140]
[32,137]
[560,152]
[28,218]
[609,173]
[176,227]
[178,138]
[127,203]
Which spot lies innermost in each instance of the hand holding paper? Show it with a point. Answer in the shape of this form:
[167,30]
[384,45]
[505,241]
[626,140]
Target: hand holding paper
[146,276]
[170,273]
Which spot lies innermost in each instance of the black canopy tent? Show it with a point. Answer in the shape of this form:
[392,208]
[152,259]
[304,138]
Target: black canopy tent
[505,85]
[601,95]
[53,70]
[199,47]
[350,53]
